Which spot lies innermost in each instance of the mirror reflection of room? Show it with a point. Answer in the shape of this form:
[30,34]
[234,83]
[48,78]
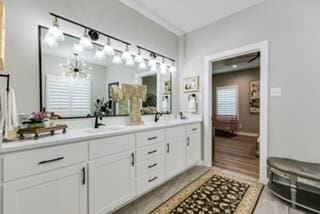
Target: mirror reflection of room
[83,82]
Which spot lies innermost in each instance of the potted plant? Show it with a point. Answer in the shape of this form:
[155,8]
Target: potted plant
[36,120]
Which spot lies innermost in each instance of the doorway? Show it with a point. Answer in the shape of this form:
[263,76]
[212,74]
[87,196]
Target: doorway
[236,113]
[261,47]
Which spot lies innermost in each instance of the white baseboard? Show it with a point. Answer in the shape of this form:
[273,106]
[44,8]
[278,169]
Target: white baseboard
[249,134]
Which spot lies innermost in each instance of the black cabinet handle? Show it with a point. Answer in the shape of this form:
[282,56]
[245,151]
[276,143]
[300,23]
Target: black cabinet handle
[132,159]
[151,152]
[152,179]
[168,148]
[152,138]
[52,160]
[153,165]
[188,141]
[84,176]
[194,129]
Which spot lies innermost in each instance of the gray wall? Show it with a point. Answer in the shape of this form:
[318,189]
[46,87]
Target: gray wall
[292,28]
[110,16]
[248,122]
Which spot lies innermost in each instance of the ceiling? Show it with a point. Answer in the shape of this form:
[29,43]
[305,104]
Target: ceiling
[238,63]
[183,16]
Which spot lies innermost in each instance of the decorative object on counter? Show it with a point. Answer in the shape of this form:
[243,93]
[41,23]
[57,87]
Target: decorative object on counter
[37,131]
[192,103]
[110,88]
[120,105]
[101,107]
[191,84]
[167,87]
[134,94]
[2,35]
[9,116]
[254,101]
[36,120]
[165,104]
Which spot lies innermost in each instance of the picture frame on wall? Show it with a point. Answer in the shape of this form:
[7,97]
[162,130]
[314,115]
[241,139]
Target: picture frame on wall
[110,88]
[191,84]
[254,96]
[167,87]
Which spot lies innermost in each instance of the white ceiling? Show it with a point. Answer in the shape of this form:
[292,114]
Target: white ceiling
[183,16]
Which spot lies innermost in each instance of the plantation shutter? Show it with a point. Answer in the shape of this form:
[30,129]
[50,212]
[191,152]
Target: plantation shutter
[227,100]
[67,96]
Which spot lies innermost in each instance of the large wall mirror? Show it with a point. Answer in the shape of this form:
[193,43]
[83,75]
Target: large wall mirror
[73,96]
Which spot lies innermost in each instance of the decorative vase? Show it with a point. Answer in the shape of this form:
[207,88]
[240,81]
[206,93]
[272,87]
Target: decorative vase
[47,123]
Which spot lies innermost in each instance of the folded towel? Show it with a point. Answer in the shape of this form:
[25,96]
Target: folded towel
[9,117]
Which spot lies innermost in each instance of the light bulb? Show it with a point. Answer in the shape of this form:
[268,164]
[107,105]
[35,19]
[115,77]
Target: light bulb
[108,49]
[85,41]
[163,66]
[116,59]
[77,48]
[130,62]
[163,71]
[172,69]
[125,55]
[154,68]
[142,65]
[99,54]
[55,31]
[152,63]
[138,58]
[50,41]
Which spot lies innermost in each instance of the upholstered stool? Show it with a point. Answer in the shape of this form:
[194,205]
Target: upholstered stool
[296,182]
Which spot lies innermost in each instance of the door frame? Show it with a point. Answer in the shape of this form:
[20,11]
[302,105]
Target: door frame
[263,48]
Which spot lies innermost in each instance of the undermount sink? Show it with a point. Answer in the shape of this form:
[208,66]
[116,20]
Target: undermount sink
[105,129]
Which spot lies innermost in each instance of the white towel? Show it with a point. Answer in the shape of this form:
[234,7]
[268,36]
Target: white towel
[9,117]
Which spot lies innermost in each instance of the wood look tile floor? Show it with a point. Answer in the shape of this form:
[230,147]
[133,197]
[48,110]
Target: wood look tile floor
[267,204]
[237,154]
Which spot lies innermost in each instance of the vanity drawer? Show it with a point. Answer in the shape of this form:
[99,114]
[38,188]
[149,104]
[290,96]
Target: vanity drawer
[108,146]
[149,137]
[175,132]
[148,166]
[27,163]
[193,128]
[151,151]
[150,180]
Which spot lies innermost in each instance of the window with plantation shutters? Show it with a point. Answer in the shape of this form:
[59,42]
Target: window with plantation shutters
[227,100]
[67,96]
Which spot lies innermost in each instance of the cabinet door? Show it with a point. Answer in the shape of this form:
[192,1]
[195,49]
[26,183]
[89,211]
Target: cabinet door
[111,182]
[58,192]
[193,149]
[175,156]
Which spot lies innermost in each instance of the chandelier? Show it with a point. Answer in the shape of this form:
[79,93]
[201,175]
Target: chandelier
[76,69]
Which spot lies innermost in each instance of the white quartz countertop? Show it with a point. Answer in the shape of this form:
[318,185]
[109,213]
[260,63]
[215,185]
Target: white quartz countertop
[79,135]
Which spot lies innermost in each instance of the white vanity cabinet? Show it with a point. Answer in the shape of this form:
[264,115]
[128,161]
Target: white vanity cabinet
[193,144]
[175,150]
[57,192]
[112,176]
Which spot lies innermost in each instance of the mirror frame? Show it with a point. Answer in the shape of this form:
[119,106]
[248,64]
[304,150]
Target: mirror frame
[41,27]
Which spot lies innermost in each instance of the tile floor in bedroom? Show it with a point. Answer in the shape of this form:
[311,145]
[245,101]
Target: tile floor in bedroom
[267,204]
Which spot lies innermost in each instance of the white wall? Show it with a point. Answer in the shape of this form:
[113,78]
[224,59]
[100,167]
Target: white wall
[110,16]
[292,28]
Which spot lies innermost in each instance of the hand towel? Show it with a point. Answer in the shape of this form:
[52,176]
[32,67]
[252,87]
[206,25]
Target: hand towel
[9,117]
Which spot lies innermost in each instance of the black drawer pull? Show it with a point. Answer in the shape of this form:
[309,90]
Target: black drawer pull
[152,138]
[83,176]
[168,148]
[152,179]
[132,159]
[151,152]
[194,129]
[52,160]
[153,165]
[188,141]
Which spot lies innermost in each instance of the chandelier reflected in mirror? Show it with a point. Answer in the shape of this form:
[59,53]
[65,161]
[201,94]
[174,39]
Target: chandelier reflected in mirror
[76,68]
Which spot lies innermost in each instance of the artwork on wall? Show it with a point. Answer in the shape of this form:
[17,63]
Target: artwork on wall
[110,88]
[167,87]
[191,84]
[254,97]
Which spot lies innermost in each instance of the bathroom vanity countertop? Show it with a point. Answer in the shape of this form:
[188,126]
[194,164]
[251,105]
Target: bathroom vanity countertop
[80,135]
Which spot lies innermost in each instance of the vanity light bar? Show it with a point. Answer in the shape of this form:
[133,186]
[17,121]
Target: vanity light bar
[155,54]
[88,28]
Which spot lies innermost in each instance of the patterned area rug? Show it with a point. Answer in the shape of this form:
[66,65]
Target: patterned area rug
[214,192]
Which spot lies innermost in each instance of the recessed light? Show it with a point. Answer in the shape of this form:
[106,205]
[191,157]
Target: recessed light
[234,66]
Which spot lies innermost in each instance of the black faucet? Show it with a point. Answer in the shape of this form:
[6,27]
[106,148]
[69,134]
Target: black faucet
[157,116]
[96,123]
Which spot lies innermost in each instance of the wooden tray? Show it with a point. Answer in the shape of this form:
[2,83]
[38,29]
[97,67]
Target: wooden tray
[37,131]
